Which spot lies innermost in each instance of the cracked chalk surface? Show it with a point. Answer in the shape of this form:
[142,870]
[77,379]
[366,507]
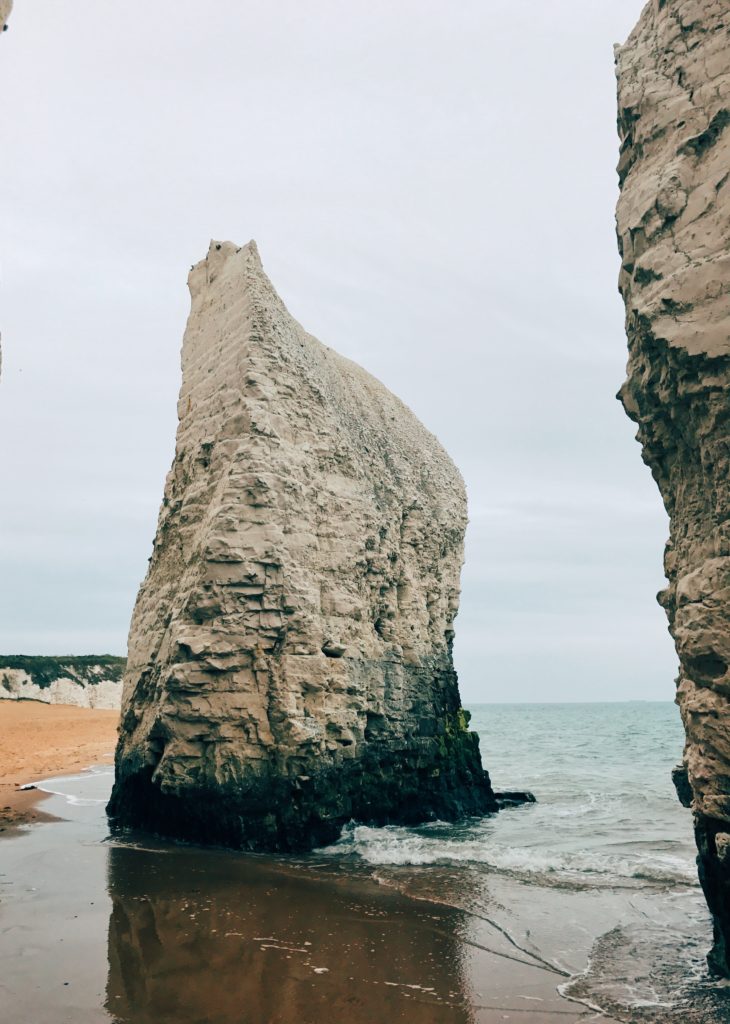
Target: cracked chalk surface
[674,238]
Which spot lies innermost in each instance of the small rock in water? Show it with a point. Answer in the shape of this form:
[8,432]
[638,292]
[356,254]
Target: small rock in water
[682,786]
[515,798]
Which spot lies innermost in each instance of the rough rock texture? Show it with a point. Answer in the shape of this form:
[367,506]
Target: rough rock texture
[674,236]
[290,651]
[86,682]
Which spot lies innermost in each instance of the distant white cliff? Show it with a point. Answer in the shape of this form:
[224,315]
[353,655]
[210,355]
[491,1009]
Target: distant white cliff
[84,682]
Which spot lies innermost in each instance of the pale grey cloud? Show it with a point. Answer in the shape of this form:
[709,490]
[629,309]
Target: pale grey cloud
[432,188]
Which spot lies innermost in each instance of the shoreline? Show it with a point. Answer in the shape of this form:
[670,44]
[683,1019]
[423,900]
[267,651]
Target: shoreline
[134,927]
[42,741]
[289,943]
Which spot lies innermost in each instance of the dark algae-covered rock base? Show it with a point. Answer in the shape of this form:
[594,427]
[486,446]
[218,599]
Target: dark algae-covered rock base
[673,223]
[290,664]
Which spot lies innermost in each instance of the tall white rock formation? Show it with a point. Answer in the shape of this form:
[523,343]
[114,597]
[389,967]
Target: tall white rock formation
[673,223]
[290,652]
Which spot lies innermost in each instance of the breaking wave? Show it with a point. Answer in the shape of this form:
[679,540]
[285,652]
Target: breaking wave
[444,844]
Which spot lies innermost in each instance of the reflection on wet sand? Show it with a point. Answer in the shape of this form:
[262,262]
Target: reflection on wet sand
[212,937]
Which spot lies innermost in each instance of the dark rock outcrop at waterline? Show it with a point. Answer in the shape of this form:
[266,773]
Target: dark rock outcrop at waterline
[290,658]
[673,223]
[514,798]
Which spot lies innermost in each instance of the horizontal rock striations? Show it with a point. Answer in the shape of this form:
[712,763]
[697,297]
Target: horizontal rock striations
[674,235]
[290,651]
[91,681]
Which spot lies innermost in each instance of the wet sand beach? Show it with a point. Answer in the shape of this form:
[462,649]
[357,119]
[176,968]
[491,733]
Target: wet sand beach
[386,925]
[95,928]
[40,740]
[142,932]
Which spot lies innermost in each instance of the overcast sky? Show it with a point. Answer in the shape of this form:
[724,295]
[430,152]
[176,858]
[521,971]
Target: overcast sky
[432,188]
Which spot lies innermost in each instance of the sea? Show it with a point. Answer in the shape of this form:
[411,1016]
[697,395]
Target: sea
[606,813]
[594,885]
[598,877]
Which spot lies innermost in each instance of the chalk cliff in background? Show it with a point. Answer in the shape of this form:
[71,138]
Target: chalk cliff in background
[94,681]
[290,651]
[674,236]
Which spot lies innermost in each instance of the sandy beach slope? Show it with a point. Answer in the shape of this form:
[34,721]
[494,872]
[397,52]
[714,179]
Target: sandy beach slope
[38,740]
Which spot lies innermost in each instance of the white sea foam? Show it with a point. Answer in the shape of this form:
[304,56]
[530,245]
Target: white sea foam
[88,788]
[399,846]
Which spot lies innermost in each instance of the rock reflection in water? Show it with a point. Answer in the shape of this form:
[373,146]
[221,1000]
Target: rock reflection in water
[209,936]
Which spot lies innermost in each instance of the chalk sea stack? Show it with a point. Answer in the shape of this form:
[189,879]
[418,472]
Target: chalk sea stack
[290,662]
[673,224]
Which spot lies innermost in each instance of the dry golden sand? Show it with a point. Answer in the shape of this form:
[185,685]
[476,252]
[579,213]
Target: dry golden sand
[38,740]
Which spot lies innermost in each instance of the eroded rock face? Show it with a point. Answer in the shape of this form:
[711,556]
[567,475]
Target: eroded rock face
[674,235]
[290,651]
